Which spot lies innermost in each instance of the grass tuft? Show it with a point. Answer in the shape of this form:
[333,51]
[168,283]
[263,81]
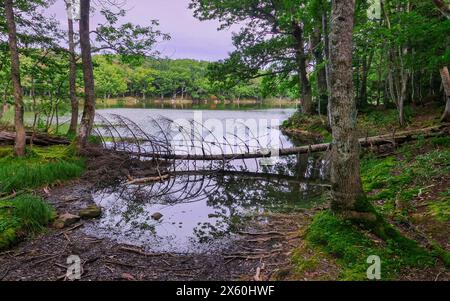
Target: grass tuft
[25,214]
[41,166]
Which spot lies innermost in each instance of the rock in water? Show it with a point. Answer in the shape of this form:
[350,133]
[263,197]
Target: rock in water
[91,212]
[65,220]
[157,216]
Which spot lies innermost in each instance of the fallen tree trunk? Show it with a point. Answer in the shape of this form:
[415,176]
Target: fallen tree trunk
[394,139]
[7,138]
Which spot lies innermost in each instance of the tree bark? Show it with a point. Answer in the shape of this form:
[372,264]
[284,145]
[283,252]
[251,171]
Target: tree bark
[305,85]
[4,105]
[346,193]
[7,138]
[321,72]
[444,8]
[366,65]
[87,119]
[326,52]
[446,83]
[398,76]
[72,72]
[369,142]
[20,139]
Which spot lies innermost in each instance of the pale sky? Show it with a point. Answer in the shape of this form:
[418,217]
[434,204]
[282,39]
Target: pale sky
[190,37]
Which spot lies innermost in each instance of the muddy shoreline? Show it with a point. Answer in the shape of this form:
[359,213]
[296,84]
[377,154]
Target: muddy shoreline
[266,242]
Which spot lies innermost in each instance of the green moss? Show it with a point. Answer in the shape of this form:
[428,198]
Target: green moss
[441,253]
[7,238]
[41,166]
[351,246]
[304,264]
[25,214]
[390,179]
[440,209]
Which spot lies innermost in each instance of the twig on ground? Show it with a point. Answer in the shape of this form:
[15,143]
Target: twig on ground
[4,274]
[257,276]
[137,251]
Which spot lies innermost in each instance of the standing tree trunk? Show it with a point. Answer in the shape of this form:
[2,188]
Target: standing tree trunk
[347,196]
[305,85]
[446,83]
[398,76]
[366,65]
[444,8]
[4,106]
[326,52]
[20,140]
[321,72]
[87,119]
[72,72]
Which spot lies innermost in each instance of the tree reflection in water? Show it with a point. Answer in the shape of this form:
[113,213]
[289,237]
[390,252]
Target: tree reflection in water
[202,211]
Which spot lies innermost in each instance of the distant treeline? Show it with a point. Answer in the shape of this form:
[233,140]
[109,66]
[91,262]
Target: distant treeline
[122,76]
[116,76]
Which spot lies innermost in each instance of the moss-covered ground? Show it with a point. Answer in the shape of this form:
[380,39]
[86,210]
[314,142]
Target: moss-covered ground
[410,189]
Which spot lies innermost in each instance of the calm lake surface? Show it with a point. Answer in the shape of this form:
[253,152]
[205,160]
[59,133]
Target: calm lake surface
[201,212]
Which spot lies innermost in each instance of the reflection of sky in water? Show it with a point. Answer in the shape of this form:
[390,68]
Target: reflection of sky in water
[200,212]
[201,222]
[132,224]
[199,132]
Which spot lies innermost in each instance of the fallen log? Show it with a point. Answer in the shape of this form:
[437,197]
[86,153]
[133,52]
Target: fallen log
[7,138]
[395,139]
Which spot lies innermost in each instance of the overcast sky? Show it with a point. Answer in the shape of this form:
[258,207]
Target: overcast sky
[190,37]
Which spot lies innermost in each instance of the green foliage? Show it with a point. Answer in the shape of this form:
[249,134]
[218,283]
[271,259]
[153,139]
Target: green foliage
[5,151]
[352,247]
[165,78]
[374,120]
[441,141]
[267,44]
[41,166]
[25,214]
[128,39]
[110,78]
[311,124]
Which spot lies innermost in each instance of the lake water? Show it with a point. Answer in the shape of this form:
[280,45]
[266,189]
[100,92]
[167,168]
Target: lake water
[202,211]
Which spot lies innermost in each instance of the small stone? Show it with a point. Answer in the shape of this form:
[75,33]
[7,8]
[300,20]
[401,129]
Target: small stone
[128,277]
[157,216]
[91,212]
[65,220]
